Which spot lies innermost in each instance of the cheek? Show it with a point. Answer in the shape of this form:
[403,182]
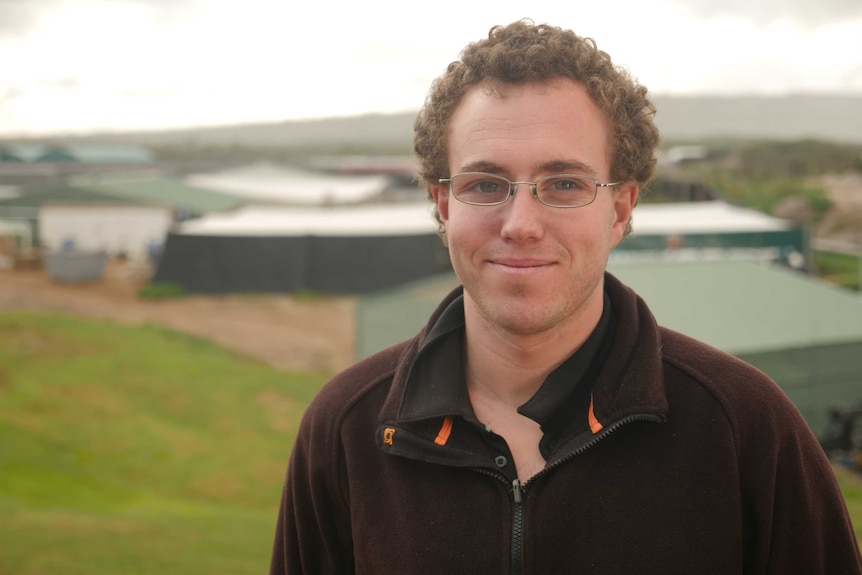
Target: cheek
[470,223]
[461,234]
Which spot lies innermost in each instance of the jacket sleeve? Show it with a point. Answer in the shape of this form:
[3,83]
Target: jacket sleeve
[796,517]
[312,535]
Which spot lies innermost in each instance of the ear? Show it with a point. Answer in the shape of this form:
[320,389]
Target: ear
[625,198]
[440,194]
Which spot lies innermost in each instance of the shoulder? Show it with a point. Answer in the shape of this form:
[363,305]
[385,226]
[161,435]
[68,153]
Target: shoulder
[753,404]
[705,363]
[370,379]
[723,375]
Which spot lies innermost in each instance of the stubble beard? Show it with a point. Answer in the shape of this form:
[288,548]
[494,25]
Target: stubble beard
[522,312]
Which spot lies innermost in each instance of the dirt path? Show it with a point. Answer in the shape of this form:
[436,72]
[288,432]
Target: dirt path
[290,334]
[843,223]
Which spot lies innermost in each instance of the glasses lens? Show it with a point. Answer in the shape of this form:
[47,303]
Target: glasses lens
[478,188]
[566,190]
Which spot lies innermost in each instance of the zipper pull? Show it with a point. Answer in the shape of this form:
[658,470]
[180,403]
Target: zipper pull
[516,491]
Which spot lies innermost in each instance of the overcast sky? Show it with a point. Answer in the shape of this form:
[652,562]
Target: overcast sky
[85,65]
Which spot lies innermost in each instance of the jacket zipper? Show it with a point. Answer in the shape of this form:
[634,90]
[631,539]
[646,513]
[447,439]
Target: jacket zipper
[648,417]
[517,558]
[519,491]
[517,528]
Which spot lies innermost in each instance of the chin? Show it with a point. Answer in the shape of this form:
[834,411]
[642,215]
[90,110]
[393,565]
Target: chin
[520,318]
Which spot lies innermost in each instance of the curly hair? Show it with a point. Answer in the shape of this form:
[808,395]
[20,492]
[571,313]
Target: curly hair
[523,52]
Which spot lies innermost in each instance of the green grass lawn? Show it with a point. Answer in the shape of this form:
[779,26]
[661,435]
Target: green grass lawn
[841,269]
[851,487]
[137,450]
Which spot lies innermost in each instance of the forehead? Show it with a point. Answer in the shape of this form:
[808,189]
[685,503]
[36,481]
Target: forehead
[523,127]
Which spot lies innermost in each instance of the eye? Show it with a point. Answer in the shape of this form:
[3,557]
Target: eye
[566,190]
[488,186]
[568,184]
[481,184]
[480,188]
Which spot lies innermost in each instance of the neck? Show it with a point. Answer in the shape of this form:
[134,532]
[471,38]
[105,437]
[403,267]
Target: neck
[509,368]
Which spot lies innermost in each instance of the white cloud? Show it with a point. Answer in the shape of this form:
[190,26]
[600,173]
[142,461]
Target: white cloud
[806,13]
[95,64]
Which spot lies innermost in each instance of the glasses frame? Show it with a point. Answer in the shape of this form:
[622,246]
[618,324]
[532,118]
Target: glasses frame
[534,188]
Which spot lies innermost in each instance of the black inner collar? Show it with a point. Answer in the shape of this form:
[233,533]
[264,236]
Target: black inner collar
[436,386]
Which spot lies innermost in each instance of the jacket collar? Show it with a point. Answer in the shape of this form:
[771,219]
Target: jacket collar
[435,386]
[435,382]
[631,382]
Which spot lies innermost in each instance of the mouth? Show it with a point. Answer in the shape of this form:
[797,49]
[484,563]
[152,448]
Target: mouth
[518,265]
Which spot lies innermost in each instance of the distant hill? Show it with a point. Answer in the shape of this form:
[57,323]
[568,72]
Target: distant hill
[378,130]
[822,117]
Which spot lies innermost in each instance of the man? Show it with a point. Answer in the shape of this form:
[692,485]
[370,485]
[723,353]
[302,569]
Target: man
[542,422]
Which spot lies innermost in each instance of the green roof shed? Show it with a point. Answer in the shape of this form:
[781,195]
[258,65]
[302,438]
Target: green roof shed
[189,201]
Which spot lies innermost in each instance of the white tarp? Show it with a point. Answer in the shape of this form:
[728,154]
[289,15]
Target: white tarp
[701,218]
[266,182]
[415,218]
[368,220]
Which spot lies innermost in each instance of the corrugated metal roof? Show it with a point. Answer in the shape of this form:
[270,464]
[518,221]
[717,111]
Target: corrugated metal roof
[110,153]
[25,152]
[81,152]
[160,192]
[60,194]
[7,155]
[165,191]
[745,307]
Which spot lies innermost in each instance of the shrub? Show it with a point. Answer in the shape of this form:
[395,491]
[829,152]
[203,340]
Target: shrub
[162,290]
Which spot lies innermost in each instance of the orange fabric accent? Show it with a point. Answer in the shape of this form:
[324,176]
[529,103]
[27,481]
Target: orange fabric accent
[595,425]
[388,436]
[445,431]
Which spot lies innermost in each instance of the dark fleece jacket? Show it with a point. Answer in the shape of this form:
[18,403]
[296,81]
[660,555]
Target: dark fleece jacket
[682,459]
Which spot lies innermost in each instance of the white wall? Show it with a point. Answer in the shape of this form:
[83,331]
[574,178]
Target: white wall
[114,229]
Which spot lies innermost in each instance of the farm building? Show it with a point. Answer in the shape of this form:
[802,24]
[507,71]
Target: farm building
[23,211]
[87,153]
[115,216]
[112,228]
[38,164]
[76,229]
[805,333]
[711,230]
[330,250]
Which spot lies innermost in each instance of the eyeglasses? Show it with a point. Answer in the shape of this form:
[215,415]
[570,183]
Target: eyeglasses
[557,191]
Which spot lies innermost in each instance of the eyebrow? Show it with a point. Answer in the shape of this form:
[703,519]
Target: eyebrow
[482,166]
[552,167]
[568,166]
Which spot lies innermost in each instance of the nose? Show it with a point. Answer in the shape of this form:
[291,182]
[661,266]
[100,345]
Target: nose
[522,215]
